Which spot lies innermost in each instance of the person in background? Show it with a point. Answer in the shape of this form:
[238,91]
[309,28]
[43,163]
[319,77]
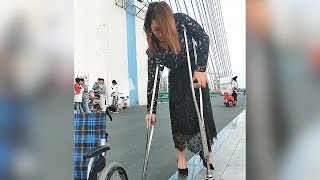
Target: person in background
[115,95]
[78,95]
[85,97]
[96,88]
[103,94]
[234,88]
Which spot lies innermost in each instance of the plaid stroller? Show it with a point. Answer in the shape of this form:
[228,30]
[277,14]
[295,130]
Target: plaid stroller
[89,128]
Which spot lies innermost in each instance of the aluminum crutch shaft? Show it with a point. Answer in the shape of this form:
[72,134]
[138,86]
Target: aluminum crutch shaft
[150,128]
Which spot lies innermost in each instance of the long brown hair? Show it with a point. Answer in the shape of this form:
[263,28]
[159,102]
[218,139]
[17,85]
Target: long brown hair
[162,14]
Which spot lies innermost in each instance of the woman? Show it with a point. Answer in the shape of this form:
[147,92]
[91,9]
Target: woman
[166,46]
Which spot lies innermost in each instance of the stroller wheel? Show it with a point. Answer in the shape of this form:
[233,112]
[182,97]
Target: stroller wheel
[113,171]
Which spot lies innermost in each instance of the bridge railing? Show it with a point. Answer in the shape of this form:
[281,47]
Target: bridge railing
[164,96]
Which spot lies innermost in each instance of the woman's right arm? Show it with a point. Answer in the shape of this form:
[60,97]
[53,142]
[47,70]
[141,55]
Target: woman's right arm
[152,65]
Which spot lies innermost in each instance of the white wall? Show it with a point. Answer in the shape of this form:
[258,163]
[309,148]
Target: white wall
[101,42]
[142,61]
[102,52]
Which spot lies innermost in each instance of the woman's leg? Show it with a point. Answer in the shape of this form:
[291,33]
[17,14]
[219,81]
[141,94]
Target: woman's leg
[182,162]
[210,150]
[210,153]
[210,158]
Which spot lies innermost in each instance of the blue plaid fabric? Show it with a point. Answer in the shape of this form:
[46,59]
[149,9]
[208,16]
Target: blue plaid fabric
[89,128]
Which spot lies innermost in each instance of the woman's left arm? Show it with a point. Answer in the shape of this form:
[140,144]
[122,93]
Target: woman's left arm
[202,39]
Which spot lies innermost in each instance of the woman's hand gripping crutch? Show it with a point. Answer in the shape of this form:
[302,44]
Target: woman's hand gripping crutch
[150,122]
[199,112]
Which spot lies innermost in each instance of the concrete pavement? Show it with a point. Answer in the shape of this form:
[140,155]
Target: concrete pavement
[230,159]
[127,138]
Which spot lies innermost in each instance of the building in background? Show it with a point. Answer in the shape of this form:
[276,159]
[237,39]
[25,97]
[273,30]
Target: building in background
[110,42]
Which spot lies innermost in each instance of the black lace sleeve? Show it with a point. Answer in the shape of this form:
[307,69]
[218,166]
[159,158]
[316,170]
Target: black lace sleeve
[152,65]
[202,39]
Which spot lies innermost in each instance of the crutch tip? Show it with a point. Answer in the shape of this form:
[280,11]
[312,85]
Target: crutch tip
[209,178]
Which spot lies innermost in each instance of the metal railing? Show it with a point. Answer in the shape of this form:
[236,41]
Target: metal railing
[135,7]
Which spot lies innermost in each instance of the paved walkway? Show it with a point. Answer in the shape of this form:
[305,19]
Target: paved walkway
[127,138]
[230,159]
[229,154]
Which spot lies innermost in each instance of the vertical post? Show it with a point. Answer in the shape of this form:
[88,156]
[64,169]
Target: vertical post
[132,55]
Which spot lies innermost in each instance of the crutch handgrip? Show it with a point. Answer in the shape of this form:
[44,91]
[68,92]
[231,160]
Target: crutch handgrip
[196,85]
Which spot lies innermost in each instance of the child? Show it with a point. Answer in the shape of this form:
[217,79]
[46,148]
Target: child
[78,95]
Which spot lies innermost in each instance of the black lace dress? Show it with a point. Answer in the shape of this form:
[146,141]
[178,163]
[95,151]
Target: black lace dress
[184,121]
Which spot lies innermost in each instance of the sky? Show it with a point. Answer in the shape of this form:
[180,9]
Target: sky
[233,12]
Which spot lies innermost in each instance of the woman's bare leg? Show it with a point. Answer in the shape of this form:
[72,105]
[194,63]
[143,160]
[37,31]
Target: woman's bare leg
[182,162]
[210,158]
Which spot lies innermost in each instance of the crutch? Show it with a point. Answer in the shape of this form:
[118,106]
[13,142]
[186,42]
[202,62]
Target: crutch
[199,113]
[150,129]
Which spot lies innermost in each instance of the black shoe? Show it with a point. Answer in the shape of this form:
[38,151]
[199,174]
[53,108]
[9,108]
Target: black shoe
[205,163]
[183,172]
